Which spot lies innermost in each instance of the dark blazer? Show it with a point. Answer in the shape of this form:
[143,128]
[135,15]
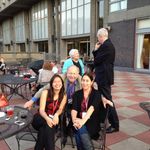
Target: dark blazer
[104,63]
[93,124]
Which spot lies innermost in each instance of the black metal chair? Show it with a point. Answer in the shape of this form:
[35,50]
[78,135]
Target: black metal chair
[146,107]
[30,134]
[100,142]
[67,127]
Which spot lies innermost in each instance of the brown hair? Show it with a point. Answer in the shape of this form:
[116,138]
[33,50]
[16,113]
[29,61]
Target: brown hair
[47,66]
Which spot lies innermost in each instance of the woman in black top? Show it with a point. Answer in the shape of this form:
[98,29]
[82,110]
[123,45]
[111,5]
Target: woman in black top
[87,113]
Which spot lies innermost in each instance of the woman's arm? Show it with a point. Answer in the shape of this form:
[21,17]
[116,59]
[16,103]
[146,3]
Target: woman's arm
[74,118]
[42,108]
[60,110]
[82,121]
[77,122]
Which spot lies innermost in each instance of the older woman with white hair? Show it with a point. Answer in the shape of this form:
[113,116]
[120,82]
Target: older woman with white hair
[73,60]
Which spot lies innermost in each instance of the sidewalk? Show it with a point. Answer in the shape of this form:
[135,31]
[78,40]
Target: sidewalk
[128,91]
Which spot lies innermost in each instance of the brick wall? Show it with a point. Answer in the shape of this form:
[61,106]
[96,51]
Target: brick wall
[122,35]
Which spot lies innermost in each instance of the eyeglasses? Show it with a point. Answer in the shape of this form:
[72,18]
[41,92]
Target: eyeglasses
[71,73]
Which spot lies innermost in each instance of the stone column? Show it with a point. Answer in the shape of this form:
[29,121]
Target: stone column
[57,29]
[94,25]
[51,28]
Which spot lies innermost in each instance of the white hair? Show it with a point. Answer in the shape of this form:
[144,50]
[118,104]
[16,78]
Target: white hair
[73,67]
[71,53]
[102,32]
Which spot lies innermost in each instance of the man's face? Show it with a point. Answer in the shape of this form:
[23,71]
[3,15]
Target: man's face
[72,74]
[100,39]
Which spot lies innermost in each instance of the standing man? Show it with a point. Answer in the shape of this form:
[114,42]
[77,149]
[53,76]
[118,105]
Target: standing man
[104,57]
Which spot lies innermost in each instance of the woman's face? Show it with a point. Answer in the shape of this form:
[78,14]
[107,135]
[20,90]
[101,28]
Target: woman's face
[57,84]
[76,55]
[86,82]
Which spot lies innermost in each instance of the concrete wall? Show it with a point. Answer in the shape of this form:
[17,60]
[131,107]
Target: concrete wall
[122,35]
[129,14]
[137,3]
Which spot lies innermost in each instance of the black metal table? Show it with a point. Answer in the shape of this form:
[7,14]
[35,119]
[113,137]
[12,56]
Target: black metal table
[8,128]
[146,107]
[14,83]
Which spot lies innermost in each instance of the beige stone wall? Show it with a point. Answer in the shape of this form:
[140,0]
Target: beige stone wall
[21,56]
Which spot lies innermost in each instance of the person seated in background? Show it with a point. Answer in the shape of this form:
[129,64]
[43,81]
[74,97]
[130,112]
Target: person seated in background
[54,66]
[2,66]
[73,60]
[52,104]
[45,74]
[87,113]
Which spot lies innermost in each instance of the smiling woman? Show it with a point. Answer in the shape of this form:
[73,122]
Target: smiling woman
[52,103]
[87,108]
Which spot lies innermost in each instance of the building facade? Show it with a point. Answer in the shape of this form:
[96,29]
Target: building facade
[130,32]
[48,29]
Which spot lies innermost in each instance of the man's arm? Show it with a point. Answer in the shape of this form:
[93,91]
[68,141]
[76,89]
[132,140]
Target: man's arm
[39,92]
[36,97]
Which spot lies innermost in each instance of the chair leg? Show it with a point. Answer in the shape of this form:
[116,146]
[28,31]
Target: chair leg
[18,143]
[71,138]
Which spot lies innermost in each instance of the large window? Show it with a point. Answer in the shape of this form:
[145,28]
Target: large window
[143,44]
[40,21]
[75,17]
[101,8]
[117,5]
[6,32]
[43,46]
[19,28]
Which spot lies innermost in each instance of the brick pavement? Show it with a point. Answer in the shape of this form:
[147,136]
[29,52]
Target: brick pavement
[128,91]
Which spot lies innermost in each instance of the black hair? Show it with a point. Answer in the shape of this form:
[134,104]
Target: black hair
[89,75]
[51,90]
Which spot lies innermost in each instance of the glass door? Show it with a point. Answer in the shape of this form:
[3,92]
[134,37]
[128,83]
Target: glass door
[85,50]
[70,45]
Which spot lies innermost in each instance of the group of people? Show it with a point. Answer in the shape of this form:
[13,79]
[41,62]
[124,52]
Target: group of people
[73,93]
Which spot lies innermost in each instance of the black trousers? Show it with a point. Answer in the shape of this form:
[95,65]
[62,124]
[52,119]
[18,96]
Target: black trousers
[46,134]
[112,114]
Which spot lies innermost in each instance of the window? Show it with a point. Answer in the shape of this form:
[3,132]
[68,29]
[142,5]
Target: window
[116,5]
[143,44]
[43,46]
[22,47]
[40,21]
[6,32]
[19,28]
[101,8]
[75,17]
[7,48]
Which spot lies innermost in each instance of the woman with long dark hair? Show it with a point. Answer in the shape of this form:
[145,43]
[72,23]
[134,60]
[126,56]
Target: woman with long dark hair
[52,103]
[87,113]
